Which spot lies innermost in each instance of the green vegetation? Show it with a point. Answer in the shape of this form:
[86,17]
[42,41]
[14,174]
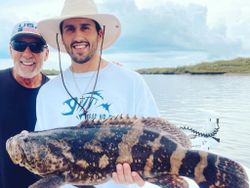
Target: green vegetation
[239,65]
[50,72]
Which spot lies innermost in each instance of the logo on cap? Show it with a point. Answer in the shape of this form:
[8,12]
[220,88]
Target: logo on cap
[27,27]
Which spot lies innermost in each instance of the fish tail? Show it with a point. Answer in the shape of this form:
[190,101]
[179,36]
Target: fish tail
[213,171]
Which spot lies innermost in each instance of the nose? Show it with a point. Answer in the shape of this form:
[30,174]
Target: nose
[27,53]
[79,35]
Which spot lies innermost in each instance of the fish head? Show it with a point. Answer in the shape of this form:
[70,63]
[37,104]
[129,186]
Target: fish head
[38,152]
[15,147]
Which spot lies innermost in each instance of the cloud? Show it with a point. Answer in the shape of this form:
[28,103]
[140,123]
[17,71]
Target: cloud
[170,27]
[153,28]
[15,11]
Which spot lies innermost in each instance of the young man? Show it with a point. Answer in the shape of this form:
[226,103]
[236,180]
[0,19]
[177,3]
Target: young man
[91,88]
[19,86]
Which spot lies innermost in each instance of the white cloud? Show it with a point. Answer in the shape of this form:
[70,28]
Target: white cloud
[222,11]
[230,16]
[218,29]
[171,26]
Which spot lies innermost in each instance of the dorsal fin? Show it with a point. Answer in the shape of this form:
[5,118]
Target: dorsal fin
[164,127]
[155,124]
[90,123]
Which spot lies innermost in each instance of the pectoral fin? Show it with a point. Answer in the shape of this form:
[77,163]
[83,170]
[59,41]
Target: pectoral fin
[50,181]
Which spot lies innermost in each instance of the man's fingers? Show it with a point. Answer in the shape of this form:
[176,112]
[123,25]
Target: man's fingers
[137,179]
[127,173]
[115,177]
[123,175]
[120,174]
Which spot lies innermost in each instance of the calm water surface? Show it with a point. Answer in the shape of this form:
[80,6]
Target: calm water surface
[193,99]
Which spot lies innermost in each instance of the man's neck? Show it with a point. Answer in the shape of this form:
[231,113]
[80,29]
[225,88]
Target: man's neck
[34,82]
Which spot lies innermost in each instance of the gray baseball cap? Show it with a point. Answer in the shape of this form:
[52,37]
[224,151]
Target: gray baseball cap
[26,28]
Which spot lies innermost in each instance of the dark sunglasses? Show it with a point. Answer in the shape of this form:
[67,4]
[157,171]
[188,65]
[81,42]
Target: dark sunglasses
[35,47]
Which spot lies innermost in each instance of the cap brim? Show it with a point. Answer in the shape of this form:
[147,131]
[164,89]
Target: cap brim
[20,35]
[49,28]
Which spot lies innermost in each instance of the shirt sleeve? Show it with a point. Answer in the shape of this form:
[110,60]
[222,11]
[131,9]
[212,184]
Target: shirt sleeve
[39,113]
[144,100]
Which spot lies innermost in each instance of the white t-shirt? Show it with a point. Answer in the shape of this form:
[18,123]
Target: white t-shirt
[119,91]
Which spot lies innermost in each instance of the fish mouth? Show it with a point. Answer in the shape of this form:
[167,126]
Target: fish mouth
[15,150]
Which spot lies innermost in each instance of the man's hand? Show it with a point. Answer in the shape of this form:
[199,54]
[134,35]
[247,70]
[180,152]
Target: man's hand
[123,175]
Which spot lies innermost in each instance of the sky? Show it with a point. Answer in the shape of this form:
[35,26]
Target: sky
[162,33]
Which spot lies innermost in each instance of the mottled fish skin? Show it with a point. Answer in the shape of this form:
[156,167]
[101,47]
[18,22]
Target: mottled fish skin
[87,154]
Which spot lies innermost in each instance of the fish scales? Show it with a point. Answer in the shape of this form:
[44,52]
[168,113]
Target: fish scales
[88,153]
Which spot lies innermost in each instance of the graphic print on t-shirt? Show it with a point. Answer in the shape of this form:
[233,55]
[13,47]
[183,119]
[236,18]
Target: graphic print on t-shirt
[94,102]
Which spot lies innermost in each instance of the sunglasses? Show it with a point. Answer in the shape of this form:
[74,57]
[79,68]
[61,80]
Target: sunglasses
[35,47]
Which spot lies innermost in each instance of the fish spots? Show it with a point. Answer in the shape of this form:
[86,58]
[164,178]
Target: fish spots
[200,166]
[149,165]
[104,161]
[94,145]
[189,163]
[176,159]
[82,163]
[128,141]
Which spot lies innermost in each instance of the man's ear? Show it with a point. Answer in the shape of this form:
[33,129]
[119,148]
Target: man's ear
[100,33]
[10,50]
[46,54]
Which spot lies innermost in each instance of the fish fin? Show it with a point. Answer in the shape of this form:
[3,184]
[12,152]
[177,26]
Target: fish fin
[168,129]
[168,181]
[92,123]
[50,181]
[211,170]
[154,124]
[114,121]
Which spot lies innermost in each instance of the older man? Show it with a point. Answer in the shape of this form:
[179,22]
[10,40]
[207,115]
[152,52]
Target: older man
[19,86]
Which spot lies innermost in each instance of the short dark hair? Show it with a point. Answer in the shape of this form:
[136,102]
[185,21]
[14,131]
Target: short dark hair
[97,26]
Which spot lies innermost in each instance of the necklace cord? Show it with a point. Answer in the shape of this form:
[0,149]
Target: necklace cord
[61,72]
[85,111]
[97,75]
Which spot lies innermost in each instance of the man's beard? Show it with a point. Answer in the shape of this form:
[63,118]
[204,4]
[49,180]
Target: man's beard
[81,58]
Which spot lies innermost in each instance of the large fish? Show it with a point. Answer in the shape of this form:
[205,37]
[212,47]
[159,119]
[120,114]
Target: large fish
[87,154]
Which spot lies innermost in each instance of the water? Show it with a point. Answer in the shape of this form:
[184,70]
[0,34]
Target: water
[193,99]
